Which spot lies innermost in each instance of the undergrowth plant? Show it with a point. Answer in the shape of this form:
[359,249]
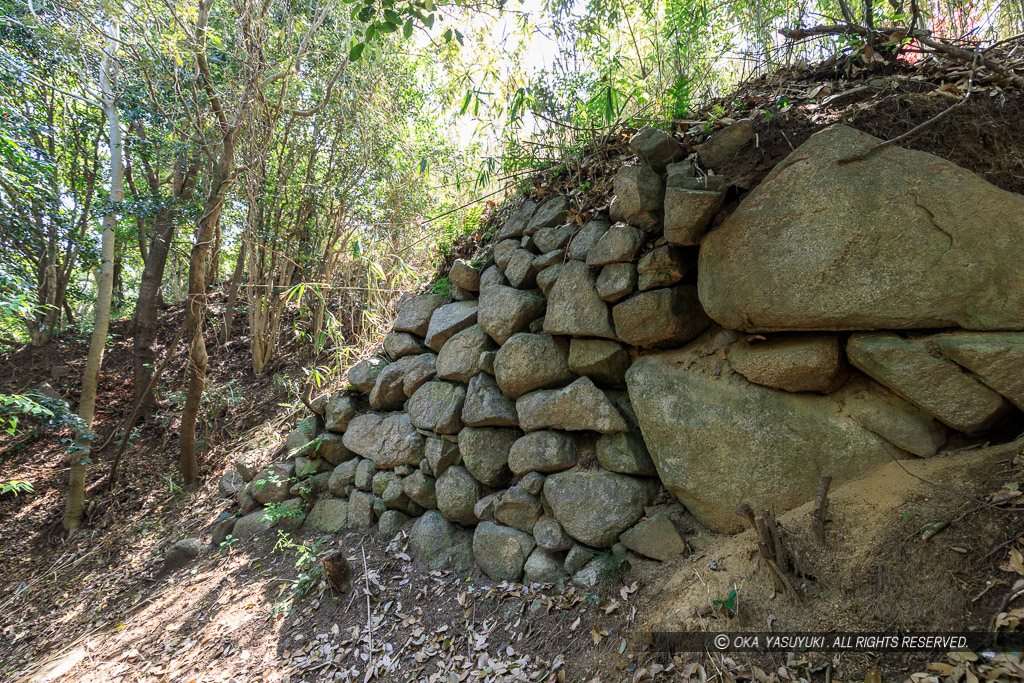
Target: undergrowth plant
[310,572]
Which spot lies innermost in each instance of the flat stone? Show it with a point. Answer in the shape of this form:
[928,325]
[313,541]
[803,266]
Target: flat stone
[543,451]
[587,238]
[900,423]
[655,147]
[457,495]
[995,357]
[329,515]
[661,267]
[541,262]
[531,361]
[486,406]
[660,317]
[520,271]
[810,362]
[400,444]
[572,496]
[640,193]
[549,535]
[464,275]
[719,441]
[485,453]
[574,306]
[617,280]
[605,362]
[815,246]
[935,385]
[550,212]
[339,408]
[625,453]
[501,551]
[546,278]
[518,509]
[363,375]
[688,213]
[620,244]
[363,435]
[441,455]
[415,312]
[581,406]
[726,143]
[504,311]
[448,320]
[655,537]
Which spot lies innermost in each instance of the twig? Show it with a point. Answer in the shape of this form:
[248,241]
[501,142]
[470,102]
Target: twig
[369,619]
[821,507]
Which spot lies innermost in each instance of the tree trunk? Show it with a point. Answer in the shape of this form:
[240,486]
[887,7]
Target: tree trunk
[236,279]
[146,307]
[74,509]
[223,174]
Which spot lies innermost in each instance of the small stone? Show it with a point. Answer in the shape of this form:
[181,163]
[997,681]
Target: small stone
[605,362]
[543,451]
[572,497]
[487,361]
[418,370]
[485,452]
[365,472]
[231,482]
[420,489]
[272,484]
[547,277]
[520,271]
[381,480]
[401,444]
[550,239]
[503,252]
[332,448]
[181,553]
[484,508]
[655,147]
[390,523]
[532,482]
[252,524]
[249,464]
[436,542]
[550,212]
[541,262]
[394,496]
[550,535]
[661,267]
[517,222]
[300,438]
[625,453]
[688,213]
[360,510]
[809,362]
[542,567]
[577,558]
[465,276]
[441,455]
[655,537]
[491,276]
[617,280]
[661,317]
[620,244]
[343,476]
[389,391]
[222,530]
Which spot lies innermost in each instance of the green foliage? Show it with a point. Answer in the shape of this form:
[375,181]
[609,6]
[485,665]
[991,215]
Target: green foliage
[275,512]
[307,564]
[16,486]
[45,411]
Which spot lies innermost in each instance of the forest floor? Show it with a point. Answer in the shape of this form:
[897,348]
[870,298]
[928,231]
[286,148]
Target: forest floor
[97,606]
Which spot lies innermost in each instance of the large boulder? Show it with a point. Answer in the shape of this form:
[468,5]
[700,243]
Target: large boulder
[448,320]
[543,451]
[485,453]
[938,386]
[581,406]
[901,239]
[603,361]
[415,312]
[400,443]
[505,311]
[995,357]
[810,362]
[660,317]
[501,551]
[719,441]
[437,407]
[595,507]
[574,306]
[531,361]
[486,406]
[457,495]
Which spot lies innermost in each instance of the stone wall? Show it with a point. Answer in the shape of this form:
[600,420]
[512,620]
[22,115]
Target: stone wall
[843,314]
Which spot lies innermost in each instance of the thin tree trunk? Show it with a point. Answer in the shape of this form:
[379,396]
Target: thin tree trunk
[74,508]
[236,279]
[145,318]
